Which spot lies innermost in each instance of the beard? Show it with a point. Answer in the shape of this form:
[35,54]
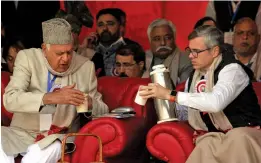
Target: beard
[246,50]
[108,37]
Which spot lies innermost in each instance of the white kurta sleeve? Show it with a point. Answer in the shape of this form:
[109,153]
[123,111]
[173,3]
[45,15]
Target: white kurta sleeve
[16,97]
[232,80]
[98,106]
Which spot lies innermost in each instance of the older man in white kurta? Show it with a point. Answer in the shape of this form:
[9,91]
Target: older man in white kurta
[41,114]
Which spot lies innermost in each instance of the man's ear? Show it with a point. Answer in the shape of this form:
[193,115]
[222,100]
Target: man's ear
[216,51]
[122,30]
[44,48]
[141,65]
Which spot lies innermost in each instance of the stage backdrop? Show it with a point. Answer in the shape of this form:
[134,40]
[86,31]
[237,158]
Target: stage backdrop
[183,14]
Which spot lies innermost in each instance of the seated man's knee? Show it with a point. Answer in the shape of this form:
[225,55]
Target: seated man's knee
[49,154]
[244,133]
[55,147]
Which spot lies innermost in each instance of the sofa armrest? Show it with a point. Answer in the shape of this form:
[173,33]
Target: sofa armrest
[118,136]
[171,141]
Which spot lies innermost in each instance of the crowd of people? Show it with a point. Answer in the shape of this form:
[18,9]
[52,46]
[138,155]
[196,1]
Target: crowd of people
[54,79]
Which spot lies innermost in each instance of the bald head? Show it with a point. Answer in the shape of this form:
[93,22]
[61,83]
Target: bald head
[246,37]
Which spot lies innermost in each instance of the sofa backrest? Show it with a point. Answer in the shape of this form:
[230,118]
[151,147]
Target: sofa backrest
[118,92]
[181,87]
[257,88]
[6,116]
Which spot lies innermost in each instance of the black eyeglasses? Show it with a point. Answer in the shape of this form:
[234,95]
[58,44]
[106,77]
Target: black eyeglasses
[194,52]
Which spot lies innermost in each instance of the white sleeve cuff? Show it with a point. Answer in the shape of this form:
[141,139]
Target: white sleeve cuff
[182,98]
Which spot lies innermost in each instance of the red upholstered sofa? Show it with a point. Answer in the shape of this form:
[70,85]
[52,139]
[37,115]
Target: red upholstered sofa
[123,139]
[172,141]
[5,115]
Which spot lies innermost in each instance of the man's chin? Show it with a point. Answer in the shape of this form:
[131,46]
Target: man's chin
[244,53]
[196,67]
[61,70]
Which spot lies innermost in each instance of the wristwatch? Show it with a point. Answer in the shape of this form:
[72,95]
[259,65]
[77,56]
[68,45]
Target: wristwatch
[173,93]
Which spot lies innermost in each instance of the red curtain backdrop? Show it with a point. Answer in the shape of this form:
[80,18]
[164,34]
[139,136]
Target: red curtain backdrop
[183,14]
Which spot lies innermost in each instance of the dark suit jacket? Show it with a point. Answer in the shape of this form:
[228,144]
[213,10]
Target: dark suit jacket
[224,12]
[26,20]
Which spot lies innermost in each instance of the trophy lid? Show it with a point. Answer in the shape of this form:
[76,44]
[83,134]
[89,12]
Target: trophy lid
[158,66]
[159,69]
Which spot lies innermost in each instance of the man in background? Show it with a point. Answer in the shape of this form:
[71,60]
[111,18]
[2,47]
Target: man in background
[163,50]
[130,61]
[245,41]
[101,46]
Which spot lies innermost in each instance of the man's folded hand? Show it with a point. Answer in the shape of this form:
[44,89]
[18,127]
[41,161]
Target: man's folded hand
[66,95]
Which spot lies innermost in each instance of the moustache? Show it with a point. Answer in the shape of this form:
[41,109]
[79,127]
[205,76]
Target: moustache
[104,33]
[244,44]
[123,75]
[163,48]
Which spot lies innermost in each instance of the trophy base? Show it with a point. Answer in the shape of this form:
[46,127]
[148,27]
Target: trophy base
[168,120]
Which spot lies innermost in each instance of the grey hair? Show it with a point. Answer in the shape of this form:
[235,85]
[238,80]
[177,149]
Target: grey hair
[212,36]
[245,19]
[160,22]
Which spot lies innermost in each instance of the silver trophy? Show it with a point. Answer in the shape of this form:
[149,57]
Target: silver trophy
[165,109]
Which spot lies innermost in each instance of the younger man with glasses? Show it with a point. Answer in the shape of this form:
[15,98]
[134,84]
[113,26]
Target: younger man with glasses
[130,60]
[223,107]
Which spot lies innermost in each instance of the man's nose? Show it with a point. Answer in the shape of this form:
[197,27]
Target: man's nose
[122,69]
[162,42]
[191,56]
[245,35]
[105,27]
[65,57]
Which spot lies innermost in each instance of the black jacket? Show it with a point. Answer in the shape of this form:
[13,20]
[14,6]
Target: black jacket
[224,12]
[26,20]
